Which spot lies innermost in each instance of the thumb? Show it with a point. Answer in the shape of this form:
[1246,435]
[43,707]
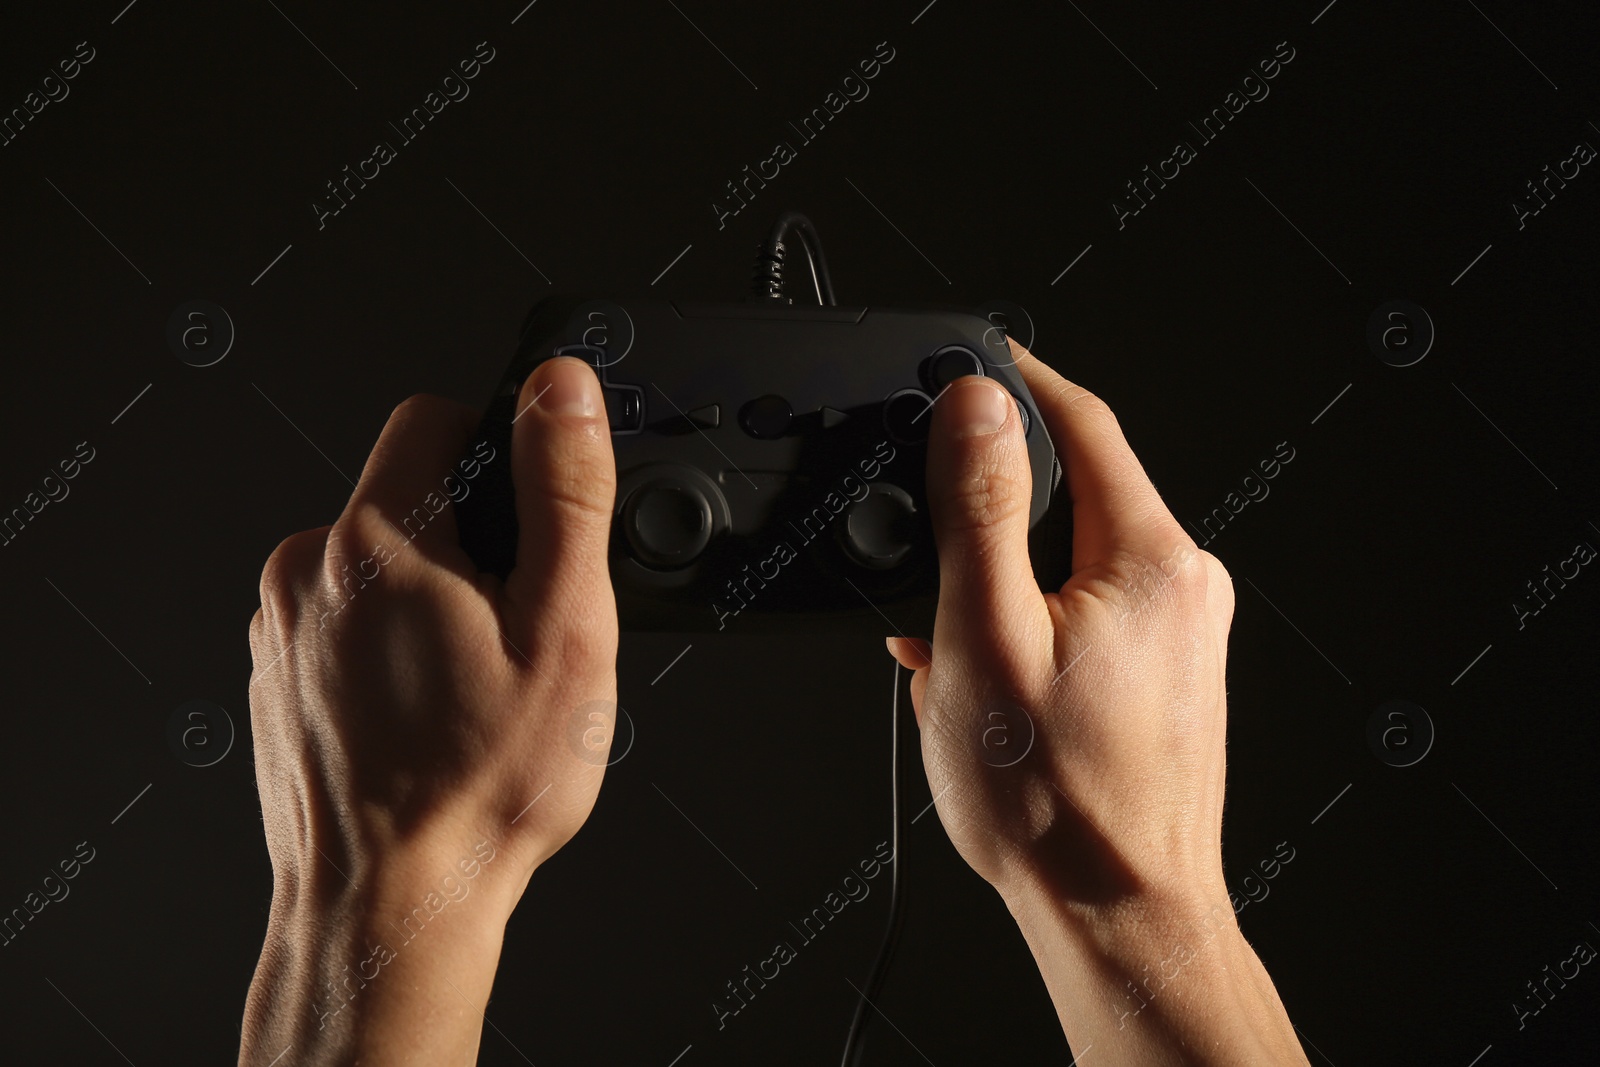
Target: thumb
[565,484]
[980,486]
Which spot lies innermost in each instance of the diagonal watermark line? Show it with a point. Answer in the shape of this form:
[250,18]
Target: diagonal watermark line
[1479,1056]
[924,11]
[1313,1044]
[1077,1057]
[531,803]
[673,664]
[132,402]
[313,44]
[931,803]
[486,1019]
[1474,263]
[1502,833]
[1513,44]
[1324,11]
[1071,665]
[1299,231]
[932,402]
[1502,433]
[1074,263]
[702,833]
[713,44]
[101,632]
[524,11]
[530,404]
[1331,803]
[1474,663]
[901,232]
[302,433]
[121,13]
[712,443]
[1301,632]
[90,1022]
[680,1055]
[101,232]
[890,1021]
[281,1055]
[274,263]
[1332,402]
[875,607]
[674,263]
[1113,44]
[334,865]
[256,676]
[131,803]
[498,230]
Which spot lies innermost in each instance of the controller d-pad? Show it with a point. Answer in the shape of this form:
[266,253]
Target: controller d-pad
[624,407]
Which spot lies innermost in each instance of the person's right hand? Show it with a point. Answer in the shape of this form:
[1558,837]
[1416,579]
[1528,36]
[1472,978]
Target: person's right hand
[1075,740]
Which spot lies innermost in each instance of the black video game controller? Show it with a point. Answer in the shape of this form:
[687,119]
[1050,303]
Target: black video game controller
[770,458]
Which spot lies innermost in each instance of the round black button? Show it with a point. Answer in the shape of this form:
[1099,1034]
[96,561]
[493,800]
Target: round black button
[948,364]
[878,530]
[906,415]
[667,522]
[1022,411]
[766,417]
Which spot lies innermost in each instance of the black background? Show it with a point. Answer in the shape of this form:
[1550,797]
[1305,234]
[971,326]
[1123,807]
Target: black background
[1385,559]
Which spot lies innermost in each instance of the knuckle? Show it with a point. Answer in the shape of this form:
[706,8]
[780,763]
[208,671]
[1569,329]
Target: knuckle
[984,497]
[1083,404]
[1191,574]
[284,571]
[417,405]
[1218,581]
[288,581]
[581,482]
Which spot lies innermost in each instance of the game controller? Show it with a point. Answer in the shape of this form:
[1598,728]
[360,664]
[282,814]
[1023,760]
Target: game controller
[770,457]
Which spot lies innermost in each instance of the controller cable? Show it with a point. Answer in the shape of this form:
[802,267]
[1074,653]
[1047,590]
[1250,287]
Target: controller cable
[767,279]
[897,888]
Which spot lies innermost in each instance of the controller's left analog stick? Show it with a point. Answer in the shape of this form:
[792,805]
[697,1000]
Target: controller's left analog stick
[667,522]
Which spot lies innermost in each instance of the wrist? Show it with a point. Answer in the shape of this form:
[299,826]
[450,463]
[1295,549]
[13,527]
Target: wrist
[1162,927]
[386,954]
[1158,969]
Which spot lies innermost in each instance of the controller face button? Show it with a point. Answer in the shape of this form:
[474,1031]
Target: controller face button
[624,407]
[948,364]
[831,417]
[766,417]
[906,416]
[1022,412]
[667,522]
[877,529]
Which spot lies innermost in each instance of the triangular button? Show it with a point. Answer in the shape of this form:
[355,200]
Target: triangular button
[708,417]
[832,417]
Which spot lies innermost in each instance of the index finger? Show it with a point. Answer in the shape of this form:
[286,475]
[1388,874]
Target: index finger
[1115,508]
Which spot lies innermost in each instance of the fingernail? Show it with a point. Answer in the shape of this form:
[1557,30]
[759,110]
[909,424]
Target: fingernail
[568,387]
[979,407]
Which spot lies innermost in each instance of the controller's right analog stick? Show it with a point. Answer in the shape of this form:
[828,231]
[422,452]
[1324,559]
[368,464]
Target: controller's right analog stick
[667,522]
[878,529]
